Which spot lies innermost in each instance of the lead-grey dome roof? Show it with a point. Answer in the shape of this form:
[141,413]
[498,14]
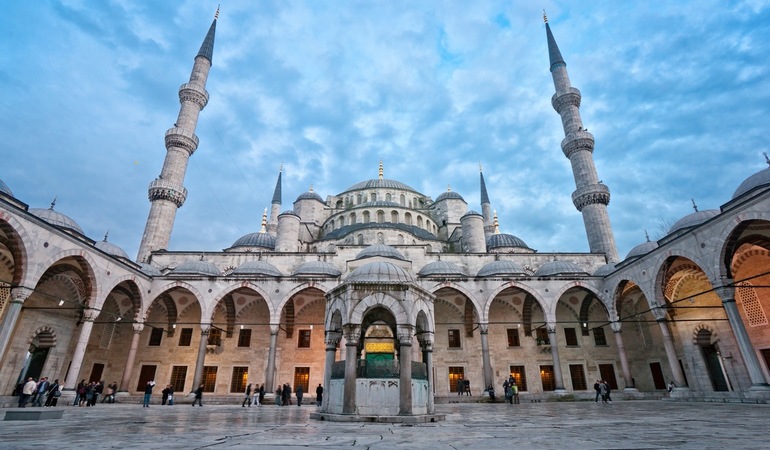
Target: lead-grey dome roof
[257,268]
[604,270]
[386,251]
[449,195]
[111,249]
[319,268]
[379,203]
[5,189]
[693,219]
[260,239]
[501,268]
[309,195]
[57,219]
[471,213]
[559,268]
[379,183]
[379,272]
[760,178]
[150,270]
[502,240]
[642,249]
[196,268]
[440,268]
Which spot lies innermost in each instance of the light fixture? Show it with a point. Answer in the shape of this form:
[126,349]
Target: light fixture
[311,327]
[585,324]
[241,327]
[173,326]
[61,302]
[118,319]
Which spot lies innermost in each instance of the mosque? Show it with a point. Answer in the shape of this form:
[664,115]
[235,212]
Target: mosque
[381,275]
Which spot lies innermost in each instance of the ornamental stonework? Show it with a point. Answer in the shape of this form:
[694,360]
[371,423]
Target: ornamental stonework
[193,93]
[571,98]
[164,190]
[181,138]
[575,142]
[591,195]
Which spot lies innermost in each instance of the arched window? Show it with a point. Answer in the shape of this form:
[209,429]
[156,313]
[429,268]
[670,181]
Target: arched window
[394,216]
[366,217]
[352,218]
[388,197]
[380,238]
[400,239]
[408,218]
[373,196]
[380,216]
[419,221]
[339,204]
[360,239]
[403,200]
[342,221]
[359,197]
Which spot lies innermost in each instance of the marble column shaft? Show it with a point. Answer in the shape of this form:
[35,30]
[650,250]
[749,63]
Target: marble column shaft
[200,361]
[623,358]
[673,361]
[270,371]
[558,379]
[126,378]
[405,378]
[485,360]
[349,392]
[80,349]
[12,312]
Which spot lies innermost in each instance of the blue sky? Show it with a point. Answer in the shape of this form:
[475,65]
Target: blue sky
[675,93]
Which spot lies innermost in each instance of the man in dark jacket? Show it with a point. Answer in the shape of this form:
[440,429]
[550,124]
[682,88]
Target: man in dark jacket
[198,396]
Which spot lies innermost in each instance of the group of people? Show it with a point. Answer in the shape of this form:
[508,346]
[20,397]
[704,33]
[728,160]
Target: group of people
[257,396]
[35,391]
[463,386]
[511,390]
[87,394]
[602,389]
[283,395]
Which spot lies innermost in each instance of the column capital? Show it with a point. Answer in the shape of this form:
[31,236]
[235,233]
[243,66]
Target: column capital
[352,333]
[89,315]
[138,327]
[332,339]
[205,329]
[20,293]
[551,327]
[484,328]
[726,292]
[275,328]
[615,325]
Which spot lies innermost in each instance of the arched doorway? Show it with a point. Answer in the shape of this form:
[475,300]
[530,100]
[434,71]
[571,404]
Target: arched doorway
[713,360]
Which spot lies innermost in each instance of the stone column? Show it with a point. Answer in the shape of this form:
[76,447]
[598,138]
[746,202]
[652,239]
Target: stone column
[126,378]
[13,309]
[486,365]
[727,294]
[623,357]
[332,340]
[557,376]
[352,334]
[200,361]
[427,358]
[80,349]
[673,361]
[405,373]
[270,372]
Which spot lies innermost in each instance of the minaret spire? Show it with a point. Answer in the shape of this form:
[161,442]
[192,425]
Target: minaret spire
[275,207]
[486,206]
[591,196]
[381,171]
[167,192]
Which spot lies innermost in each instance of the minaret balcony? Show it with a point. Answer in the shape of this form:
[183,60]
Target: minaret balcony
[165,190]
[191,92]
[590,195]
[183,138]
[572,97]
[577,141]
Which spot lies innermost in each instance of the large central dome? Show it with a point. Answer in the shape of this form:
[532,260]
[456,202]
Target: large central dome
[380,183]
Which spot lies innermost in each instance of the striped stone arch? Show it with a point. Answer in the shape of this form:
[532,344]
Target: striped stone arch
[46,337]
[17,236]
[697,334]
[745,256]
[251,307]
[85,270]
[382,300]
[336,305]
[508,306]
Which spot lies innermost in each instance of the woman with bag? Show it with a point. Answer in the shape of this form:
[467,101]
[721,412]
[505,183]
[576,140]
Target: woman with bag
[54,392]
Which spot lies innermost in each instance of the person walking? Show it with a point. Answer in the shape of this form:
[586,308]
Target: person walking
[248,397]
[261,394]
[148,393]
[507,391]
[598,389]
[460,386]
[609,389]
[300,393]
[108,393]
[468,387]
[170,395]
[603,391]
[80,392]
[198,396]
[164,394]
[319,394]
[279,396]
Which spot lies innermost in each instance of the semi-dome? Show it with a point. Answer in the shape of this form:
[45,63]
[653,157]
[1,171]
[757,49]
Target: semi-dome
[379,272]
[693,219]
[150,270]
[259,240]
[440,269]
[111,249]
[257,268]
[310,195]
[642,249]
[604,270]
[56,218]
[5,189]
[449,195]
[385,251]
[317,268]
[196,268]
[761,178]
[503,240]
[553,268]
[501,268]
[382,183]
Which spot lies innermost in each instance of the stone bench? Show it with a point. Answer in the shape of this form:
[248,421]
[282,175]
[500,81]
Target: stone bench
[33,414]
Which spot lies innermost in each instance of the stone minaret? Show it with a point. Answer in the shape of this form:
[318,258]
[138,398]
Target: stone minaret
[275,207]
[591,196]
[486,207]
[166,192]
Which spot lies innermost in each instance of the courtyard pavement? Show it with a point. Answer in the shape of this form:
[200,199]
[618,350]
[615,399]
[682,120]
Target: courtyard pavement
[636,424]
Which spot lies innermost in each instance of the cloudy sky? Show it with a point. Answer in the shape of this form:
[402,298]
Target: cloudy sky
[677,95]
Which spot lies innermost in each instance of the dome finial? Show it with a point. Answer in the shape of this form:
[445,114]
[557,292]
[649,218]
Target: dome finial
[545,17]
[449,187]
[106,234]
[53,203]
[646,235]
[767,160]
[381,172]
[264,222]
[497,224]
[694,206]
[311,188]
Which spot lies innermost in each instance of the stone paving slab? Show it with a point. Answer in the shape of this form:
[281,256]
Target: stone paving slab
[558,425]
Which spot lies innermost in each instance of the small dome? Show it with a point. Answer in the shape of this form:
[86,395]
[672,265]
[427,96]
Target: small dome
[379,272]
[310,195]
[604,270]
[5,189]
[471,213]
[379,183]
[559,268]
[288,212]
[449,195]
[257,268]
[260,240]
[196,268]
[761,178]
[111,249]
[694,219]
[317,268]
[501,268]
[642,249]
[150,270]
[56,219]
[502,240]
[440,269]
[385,251]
